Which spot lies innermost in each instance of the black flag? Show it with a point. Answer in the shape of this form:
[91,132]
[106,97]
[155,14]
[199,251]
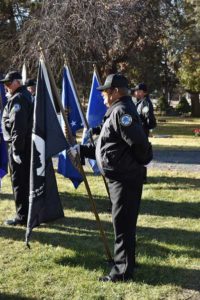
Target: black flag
[47,140]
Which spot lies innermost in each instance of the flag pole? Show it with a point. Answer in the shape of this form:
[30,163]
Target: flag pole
[83,114]
[99,80]
[71,140]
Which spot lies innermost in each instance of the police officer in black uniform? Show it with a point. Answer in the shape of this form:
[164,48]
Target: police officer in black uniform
[31,87]
[121,137]
[16,127]
[144,107]
[145,110]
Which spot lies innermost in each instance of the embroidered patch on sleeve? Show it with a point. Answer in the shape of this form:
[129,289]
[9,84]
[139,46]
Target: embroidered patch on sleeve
[16,107]
[126,120]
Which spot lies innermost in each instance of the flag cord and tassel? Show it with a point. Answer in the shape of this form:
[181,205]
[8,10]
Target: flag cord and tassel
[70,140]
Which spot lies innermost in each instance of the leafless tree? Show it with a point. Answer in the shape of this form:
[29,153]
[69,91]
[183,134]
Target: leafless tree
[90,31]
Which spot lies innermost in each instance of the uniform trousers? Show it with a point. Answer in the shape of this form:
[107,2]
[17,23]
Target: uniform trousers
[20,174]
[125,197]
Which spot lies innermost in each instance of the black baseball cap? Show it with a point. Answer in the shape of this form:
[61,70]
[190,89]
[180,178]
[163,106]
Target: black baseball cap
[11,76]
[30,82]
[113,81]
[141,86]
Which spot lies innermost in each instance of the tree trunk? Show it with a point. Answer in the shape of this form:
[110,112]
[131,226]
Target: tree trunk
[195,101]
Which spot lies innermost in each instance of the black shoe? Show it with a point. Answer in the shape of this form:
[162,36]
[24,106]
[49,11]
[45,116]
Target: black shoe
[14,222]
[108,278]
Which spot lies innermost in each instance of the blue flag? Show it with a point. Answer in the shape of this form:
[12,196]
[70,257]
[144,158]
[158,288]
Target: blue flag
[3,147]
[75,120]
[95,113]
[47,140]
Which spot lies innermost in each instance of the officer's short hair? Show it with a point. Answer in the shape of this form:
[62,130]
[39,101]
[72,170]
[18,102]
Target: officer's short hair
[20,81]
[30,82]
[124,91]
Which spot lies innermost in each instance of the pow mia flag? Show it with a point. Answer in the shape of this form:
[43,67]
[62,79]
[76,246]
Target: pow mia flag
[47,140]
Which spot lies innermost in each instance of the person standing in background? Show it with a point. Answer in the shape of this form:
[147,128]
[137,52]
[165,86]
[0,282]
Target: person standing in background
[31,87]
[145,110]
[17,119]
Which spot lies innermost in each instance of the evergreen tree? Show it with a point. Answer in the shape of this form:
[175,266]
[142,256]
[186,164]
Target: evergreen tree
[183,106]
[162,104]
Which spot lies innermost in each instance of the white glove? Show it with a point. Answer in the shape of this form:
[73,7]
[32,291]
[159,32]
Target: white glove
[145,110]
[17,159]
[73,151]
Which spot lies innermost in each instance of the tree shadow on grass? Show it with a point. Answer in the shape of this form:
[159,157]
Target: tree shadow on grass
[67,232]
[161,275]
[81,236]
[6,196]
[82,202]
[179,237]
[148,207]
[14,297]
[78,228]
[173,182]
[170,208]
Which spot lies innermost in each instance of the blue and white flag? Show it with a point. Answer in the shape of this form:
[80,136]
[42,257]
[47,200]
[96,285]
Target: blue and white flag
[95,113]
[3,147]
[76,121]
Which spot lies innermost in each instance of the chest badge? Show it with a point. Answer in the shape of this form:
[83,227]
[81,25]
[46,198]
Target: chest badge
[126,120]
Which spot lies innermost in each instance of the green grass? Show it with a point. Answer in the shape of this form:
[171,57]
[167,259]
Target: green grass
[181,131]
[67,256]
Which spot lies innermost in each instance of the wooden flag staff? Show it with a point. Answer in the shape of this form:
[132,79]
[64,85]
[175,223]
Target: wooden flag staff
[71,141]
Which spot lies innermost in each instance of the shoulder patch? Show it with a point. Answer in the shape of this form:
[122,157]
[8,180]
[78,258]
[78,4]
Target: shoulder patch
[16,107]
[126,120]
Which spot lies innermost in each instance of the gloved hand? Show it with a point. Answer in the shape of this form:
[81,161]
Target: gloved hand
[145,110]
[74,150]
[17,159]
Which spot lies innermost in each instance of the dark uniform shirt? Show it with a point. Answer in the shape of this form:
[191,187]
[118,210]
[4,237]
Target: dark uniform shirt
[120,135]
[17,120]
[146,112]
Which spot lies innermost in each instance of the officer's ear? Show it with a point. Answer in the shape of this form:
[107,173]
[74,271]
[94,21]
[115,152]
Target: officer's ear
[117,90]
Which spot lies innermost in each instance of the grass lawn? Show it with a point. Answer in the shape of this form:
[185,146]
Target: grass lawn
[181,131]
[67,256]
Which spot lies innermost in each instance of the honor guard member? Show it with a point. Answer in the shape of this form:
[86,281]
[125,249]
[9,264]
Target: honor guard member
[31,87]
[145,110]
[120,142]
[144,107]
[17,126]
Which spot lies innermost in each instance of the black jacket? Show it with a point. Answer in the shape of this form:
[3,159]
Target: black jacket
[121,134]
[17,120]
[146,113]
